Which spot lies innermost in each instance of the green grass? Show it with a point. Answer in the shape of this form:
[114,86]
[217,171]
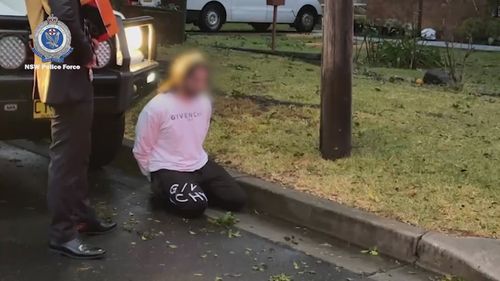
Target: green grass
[424,155]
[240,27]
[284,42]
[483,74]
[482,71]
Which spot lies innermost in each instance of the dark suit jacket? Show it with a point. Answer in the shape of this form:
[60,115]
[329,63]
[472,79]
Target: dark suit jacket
[69,86]
[64,86]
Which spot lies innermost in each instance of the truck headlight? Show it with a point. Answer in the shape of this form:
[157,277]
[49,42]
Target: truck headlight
[137,44]
[12,52]
[103,54]
[134,38]
[151,77]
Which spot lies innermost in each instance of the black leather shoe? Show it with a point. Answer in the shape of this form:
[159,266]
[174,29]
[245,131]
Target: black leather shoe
[96,228]
[76,249]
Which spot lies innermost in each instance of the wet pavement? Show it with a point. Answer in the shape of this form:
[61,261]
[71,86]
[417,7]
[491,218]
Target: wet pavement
[149,244]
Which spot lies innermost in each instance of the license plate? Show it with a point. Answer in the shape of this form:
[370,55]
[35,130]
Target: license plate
[42,111]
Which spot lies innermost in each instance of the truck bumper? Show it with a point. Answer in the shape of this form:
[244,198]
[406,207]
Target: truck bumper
[114,92]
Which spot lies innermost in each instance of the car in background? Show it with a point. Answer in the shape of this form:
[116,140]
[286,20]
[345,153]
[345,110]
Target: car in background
[211,15]
[126,71]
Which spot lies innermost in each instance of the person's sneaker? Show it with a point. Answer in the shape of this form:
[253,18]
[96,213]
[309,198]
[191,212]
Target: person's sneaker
[76,249]
[96,228]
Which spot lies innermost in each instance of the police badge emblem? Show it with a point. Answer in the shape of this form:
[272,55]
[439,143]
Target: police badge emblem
[52,40]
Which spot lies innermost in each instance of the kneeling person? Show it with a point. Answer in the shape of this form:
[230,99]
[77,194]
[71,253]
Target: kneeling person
[169,141]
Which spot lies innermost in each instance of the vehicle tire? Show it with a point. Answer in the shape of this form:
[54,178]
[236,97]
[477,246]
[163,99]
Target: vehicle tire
[107,137]
[306,19]
[212,18]
[260,27]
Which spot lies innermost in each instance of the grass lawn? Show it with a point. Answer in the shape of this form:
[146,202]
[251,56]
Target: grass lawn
[296,42]
[424,155]
[240,27]
[483,68]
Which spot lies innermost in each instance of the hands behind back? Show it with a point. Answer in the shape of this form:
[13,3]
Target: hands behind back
[93,62]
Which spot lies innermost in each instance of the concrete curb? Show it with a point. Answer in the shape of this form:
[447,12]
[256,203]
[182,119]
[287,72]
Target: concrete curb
[476,259]
[473,258]
[392,238]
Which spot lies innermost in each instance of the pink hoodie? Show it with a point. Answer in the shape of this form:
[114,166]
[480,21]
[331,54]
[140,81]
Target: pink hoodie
[170,134]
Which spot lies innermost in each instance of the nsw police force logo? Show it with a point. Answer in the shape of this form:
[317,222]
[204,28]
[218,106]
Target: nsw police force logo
[52,40]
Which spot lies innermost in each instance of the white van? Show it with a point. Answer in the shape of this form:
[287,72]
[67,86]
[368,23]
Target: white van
[210,15]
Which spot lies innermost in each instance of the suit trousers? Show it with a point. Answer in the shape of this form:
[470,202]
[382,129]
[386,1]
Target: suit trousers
[67,194]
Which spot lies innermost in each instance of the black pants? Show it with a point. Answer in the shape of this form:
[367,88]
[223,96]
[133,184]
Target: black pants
[69,157]
[190,193]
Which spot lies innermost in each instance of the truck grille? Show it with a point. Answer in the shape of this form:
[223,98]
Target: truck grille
[12,52]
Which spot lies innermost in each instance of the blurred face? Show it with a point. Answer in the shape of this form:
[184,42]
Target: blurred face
[197,82]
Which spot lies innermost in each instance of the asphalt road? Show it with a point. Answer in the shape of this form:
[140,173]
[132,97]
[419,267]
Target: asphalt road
[149,244]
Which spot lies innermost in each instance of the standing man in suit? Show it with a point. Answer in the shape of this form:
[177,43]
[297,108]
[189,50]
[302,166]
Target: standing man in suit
[70,93]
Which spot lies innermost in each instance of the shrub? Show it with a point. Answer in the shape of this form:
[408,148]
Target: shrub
[455,64]
[393,27]
[407,53]
[369,44]
[493,29]
[473,28]
[360,22]
[479,29]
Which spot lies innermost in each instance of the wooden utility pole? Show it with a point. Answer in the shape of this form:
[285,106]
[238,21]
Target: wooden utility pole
[420,16]
[336,80]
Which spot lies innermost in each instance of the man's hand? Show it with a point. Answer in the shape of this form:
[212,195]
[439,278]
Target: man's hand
[90,66]
[92,63]
[95,44]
